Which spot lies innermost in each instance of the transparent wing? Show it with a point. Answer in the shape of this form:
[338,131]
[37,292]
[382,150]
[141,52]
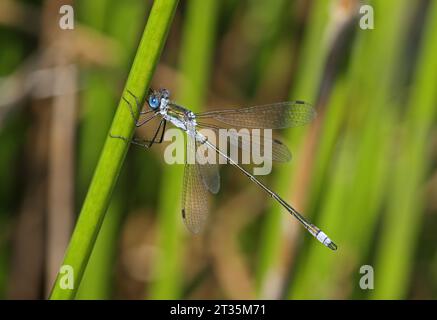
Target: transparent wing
[254,142]
[194,194]
[272,116]
[208,171]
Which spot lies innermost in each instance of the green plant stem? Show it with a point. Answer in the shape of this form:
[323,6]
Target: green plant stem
[406,205]
[114,150]
[98,279]
[356,184]
[311,63]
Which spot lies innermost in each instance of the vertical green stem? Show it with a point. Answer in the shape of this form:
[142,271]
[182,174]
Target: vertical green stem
[402,222]
[123,22]
[312,58]
[114,150]
[353,194]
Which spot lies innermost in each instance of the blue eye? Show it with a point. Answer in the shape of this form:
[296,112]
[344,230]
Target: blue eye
[153,102]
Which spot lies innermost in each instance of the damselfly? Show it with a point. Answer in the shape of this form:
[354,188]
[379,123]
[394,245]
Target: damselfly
[201,178]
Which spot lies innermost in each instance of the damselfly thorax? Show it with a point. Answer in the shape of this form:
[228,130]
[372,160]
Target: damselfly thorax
[177,115]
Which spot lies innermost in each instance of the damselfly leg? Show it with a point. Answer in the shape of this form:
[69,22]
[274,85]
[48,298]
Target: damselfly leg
[149,143]
[138,123]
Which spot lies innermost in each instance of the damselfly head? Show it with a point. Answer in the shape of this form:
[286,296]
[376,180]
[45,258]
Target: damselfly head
[155,97]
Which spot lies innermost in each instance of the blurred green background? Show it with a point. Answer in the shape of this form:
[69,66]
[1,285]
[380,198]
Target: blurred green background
[365,170]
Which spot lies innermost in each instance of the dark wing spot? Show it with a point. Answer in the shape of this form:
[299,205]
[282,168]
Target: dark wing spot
[183,213]
[278,142]
[299,102]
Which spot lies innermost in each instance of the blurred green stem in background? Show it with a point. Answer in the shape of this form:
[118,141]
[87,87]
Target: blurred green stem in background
[311,61]
[114,150]
[352,202]
[405,210]
[195,60]
[267,17]
[94,125]
[12,135]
